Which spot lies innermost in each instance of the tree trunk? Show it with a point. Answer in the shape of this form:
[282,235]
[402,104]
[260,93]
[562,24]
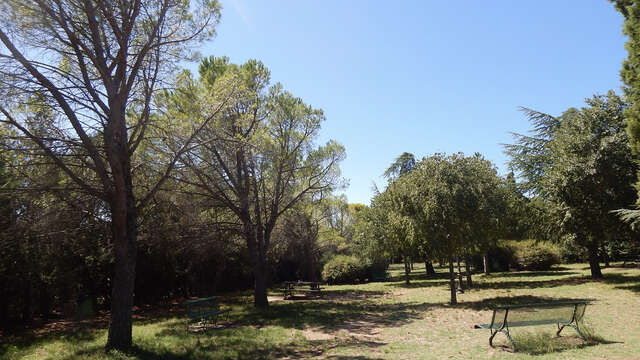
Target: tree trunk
[407,270]
[123,227]
[452,283]
[258,258]
[594,262]
[429,268]
[411,263]
[460,285]
[605,256]
[468,271]
[44,302]
[485,264]
[4,305]
[124,231]
[26,302]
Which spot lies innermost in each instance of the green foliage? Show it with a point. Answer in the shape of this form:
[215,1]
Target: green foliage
[402,165]
[569,251]
[370,240]
[529,154]
[343,269]
[534,255]
[500,257]
[259,158]
[630,72]
[579,166]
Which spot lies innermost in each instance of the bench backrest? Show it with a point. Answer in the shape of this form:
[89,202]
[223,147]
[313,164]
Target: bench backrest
[532,314]
[200,305]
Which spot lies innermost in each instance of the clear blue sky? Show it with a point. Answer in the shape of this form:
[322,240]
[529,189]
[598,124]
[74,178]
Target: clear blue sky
[426,76]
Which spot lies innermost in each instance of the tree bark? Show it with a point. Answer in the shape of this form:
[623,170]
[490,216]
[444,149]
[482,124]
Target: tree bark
[452,283]
[460,284]
[605,256]
[485,264]
[407,270]
[260,287]
[468,271]
[594,262]
[124,231]
[429,268]
[26,302]
[44,302]
[4,305]
[123,228]
[258,258]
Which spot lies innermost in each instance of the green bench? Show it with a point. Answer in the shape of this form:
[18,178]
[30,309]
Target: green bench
[202,313]
[563,314]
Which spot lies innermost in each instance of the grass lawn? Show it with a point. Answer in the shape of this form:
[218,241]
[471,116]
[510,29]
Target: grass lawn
[385,320]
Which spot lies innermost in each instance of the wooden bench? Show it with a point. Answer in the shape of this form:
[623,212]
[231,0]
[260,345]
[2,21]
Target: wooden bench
[562,314]
[201,313]
[290,287]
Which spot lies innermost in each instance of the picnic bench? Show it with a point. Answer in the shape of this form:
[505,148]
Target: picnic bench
[563,314]
[204,312]
[308,287]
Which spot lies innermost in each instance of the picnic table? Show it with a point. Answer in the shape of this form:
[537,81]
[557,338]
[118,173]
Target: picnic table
[308,287]
[563,314]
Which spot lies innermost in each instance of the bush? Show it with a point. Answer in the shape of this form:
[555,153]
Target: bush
[570,252]
[500,258]
[344,269]
[532,255]
[376,269]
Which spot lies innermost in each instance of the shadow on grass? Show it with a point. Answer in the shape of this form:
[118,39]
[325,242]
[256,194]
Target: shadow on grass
[331,316]
[495,283]
[415,275]
[419,284]
[547,343]
[242,343]
[530,284]
[349,295]
[625,282]
[75,335]
[174,343]
[554,272]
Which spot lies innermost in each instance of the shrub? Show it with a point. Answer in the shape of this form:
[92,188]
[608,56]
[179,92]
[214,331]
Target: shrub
[500,258]
[533,255]
[344,269]
[569,251]
[376,269]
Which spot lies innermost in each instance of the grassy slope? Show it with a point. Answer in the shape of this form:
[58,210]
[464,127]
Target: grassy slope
[380,321]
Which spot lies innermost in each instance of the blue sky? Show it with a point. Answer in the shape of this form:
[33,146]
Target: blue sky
[426,76]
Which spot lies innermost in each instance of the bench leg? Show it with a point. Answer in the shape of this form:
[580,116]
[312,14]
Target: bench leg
[506,333]
[493,334]
[575,327]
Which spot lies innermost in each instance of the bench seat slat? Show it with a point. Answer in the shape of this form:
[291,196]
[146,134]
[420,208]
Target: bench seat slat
[530,323]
